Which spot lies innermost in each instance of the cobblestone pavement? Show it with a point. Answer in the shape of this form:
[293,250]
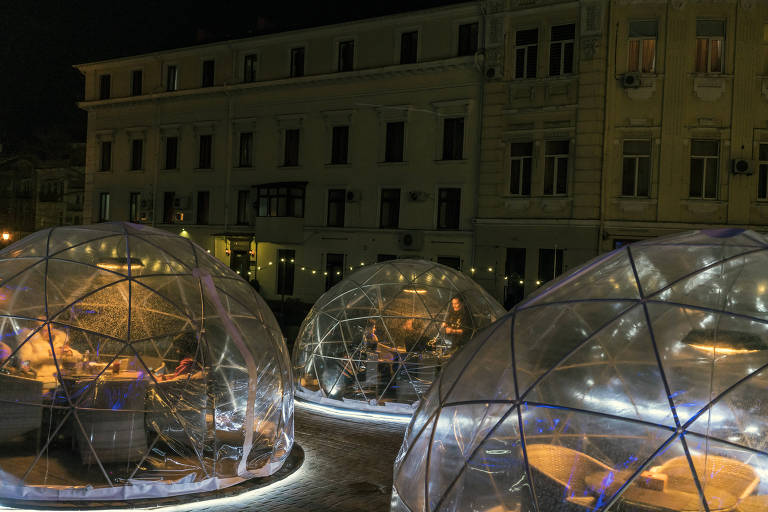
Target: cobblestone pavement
[347,467]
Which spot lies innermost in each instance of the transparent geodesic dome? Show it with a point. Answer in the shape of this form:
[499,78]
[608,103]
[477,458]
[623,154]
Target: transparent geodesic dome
[378,338]
[638,382]
[134,365]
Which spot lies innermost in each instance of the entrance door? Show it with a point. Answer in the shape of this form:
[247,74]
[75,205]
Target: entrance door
[240,262]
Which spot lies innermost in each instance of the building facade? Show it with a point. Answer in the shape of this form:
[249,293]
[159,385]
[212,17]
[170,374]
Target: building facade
[513,139]
[298,156]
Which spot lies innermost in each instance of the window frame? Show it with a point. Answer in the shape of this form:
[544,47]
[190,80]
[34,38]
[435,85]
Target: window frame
[292,64]
[563,43]
[205,151]
[137,86]
[558,266]
[443,213]
[105,86]
[762,172]
[386,196]
[171,77]
[525,177]
[269,196]
[168,153]
[341,66]
[641,47]
[556,158]
[286,271]
[137,154]
[469,48]
[104,207]
[705,159]
[339,199]
[245,151]
[709,40]
[390,151]
[207,76]
[203,218]
[457,152]
[412,59]
[339,144]
[250,72]
[287,162]
[241,211]
[526,48]
[105,155]
[134,207]
[636,167]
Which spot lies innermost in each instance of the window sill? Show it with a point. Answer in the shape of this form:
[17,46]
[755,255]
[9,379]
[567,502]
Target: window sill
[393,162]
[176,169]
[289,166]
[244,168]
[203,169]
[136,170]
[702,205]
[443,161]
[338,166]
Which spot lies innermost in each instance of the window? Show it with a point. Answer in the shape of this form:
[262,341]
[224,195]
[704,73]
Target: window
[453,138]
[550,264]
[705,162]
[286,268]
[514,269]
[448,208]
[104,207]
[206,147]
[246,149]
[104,86]
[242,207]
[168,207]
[137,154]
[641,51]
[408,47]
[390,208]
[203,207]
[208,73]
[339,144]
[346,55]
[281,200]
[762,170]
[297,61]
[334,269]
[395,142]
[710,35]
[134,201]
[555,167]
[450,261]
[105,162]
[636,168]
[467,39]
[561,49]
[291,154]
[526,53]
[337,199]
[521,163]
[171,78]
[171,152]
[136,82]
[249,67]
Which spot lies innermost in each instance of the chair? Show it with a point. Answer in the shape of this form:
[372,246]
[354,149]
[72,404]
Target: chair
[20,406]
[737,478]
[560,476]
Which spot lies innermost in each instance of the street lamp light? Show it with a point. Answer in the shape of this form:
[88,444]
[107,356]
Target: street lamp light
[6,236]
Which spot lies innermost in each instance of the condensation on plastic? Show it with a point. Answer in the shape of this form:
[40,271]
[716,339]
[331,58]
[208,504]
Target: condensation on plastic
[133,364]
[377,339]
[636,382]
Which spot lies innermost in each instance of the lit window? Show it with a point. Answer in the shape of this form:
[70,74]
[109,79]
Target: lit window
[641,51]
[710,36]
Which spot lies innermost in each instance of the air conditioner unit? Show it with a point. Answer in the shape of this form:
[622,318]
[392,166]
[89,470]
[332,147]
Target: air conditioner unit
[353,196]
[411,240]
[181,203]
[417,195]
[630,80]
[741,166]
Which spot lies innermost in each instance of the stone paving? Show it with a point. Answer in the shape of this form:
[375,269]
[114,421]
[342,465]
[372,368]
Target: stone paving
[347,467]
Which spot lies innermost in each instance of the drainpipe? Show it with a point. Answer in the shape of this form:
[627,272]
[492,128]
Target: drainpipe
[228,161]
[477,157]
[605,163]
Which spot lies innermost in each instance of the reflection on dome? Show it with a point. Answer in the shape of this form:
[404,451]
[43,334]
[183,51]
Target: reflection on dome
[134,365]
[379,338]
[634,383]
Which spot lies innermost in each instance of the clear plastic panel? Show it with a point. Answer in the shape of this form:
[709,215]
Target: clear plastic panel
[704,353]
[24,294]
[544,335]
[615,372]
[72,281]
[62,240]
[104,311]
[582,458]
[32,246]
[410,477]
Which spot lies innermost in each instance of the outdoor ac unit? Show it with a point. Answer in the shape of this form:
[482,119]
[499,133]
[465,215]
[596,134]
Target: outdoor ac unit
[353,196]
[630,80]
[411,240]
[417,195]
[181,203]
[741,166]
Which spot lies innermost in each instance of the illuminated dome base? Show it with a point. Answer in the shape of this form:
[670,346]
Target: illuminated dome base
[636,382]
[377,339]
[133,364]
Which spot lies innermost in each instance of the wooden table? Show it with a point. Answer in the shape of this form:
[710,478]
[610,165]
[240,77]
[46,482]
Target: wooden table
[637,497]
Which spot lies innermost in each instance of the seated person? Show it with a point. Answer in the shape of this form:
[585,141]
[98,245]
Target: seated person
[456,328]
[37,353]
[5,352]
[186,348]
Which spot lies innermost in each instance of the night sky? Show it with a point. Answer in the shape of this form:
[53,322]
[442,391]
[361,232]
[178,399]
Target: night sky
[40,40]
